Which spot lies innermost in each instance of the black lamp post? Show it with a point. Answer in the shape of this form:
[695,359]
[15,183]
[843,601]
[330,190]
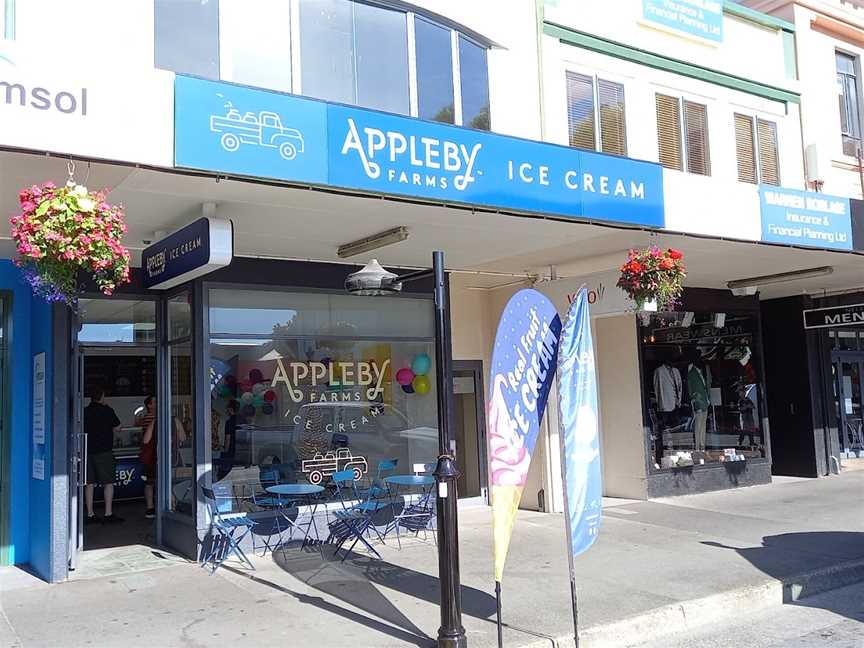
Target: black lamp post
[375,280]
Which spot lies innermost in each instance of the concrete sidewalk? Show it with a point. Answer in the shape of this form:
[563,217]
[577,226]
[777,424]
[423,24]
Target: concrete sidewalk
[658,566]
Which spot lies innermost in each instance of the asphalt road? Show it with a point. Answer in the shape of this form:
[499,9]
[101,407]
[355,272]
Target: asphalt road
[831,620]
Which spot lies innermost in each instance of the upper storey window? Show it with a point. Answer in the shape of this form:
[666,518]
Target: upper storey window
[344,51]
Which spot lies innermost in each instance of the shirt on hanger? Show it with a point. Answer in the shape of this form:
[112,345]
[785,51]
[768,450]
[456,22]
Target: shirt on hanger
[667,388]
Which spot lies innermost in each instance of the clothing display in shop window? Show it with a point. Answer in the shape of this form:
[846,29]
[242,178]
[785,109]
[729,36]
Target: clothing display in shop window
[700,400]
[667,388]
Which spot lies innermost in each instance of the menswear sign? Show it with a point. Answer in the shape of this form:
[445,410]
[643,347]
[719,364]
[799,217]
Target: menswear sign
[244,131]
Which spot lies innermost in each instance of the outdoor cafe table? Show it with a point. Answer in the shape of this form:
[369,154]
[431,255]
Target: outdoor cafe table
[406,482]
[299,494]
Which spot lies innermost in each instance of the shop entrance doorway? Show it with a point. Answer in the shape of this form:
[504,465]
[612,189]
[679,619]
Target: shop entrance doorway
[136,352]
[127,375]
[470,428]
[849,396]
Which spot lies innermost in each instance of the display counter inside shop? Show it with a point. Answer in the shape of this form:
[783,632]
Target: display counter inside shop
[128,482]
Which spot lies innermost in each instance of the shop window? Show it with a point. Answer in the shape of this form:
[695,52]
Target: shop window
[284,314]
[259,57]
[757,150]
[850,102]
[304,400]
[682,135]
[434,72]
[187,37]
[182,430]
[586,122]
[112,321]
[357,53]
[474,84]
[354,53]
[179,316]
[703,397]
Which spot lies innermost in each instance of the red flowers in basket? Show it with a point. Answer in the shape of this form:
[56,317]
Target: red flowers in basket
[653,275]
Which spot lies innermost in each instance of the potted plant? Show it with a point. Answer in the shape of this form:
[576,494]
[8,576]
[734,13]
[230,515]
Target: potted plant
[65,232]
[653,278]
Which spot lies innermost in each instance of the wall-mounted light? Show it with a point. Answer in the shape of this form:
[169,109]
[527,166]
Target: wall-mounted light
[782,277]
[382,239]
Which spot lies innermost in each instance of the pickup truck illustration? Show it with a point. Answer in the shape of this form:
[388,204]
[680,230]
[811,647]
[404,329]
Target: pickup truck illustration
[262,129]
[321,466]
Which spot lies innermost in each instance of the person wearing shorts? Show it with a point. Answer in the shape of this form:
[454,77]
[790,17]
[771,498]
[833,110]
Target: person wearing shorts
[100,424]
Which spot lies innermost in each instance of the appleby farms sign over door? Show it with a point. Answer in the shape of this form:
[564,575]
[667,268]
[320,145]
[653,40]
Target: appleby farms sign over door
[244,131]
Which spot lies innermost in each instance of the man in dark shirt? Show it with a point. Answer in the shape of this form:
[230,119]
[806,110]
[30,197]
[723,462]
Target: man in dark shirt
[100,423]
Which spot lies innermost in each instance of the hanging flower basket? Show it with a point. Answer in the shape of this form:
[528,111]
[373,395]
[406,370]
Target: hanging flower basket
[63,233]
[653,278]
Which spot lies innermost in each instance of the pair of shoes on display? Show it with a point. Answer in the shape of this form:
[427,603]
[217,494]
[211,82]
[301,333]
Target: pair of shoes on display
[112,519]
[150,513]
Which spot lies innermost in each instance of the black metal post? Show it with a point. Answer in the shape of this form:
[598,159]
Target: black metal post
[451,634]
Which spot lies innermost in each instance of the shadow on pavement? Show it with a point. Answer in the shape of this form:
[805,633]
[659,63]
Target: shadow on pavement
[359,581]
[834,558]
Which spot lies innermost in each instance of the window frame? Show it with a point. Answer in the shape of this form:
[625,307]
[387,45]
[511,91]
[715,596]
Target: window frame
[856,65]
[682,130]
[411,16]
[595,94]
[754,119]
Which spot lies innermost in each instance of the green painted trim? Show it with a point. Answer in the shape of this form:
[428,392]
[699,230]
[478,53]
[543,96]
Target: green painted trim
[751,15]
[790,57]
[9,22]
[649,59]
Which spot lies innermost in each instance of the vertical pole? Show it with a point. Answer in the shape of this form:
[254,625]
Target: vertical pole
[451,634]
[498,614]
[575,607]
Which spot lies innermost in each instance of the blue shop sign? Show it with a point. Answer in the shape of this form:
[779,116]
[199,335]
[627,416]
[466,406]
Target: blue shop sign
[700,18]
[234,129]
[192,251]
[805,218]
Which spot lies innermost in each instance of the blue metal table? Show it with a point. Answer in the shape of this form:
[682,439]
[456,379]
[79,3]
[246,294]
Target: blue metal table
[297,494]
[420,512]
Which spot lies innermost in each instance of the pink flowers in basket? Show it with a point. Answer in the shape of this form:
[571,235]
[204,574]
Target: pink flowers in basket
[65,234]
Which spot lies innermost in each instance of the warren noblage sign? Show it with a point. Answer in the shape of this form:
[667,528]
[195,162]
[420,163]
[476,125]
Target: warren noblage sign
[361,149]
[367,377]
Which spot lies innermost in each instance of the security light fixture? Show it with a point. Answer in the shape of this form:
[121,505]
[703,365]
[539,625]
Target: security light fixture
[373,280]
[382,239]
[782,277]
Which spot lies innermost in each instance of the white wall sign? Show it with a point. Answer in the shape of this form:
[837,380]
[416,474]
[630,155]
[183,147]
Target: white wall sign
[39,398]
[604,297]
[78,108]
[38,416]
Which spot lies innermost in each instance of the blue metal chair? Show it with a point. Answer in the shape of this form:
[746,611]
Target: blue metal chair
[378,488]
[355,522]
[227,528]
[268,522]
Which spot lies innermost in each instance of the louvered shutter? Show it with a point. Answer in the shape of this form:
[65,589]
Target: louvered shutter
[613,132]
[745,148]
[769,158]
[696,128]
[669,132]
[580,111]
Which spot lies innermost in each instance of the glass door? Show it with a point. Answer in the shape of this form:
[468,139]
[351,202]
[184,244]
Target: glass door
[849,368]
[470,431]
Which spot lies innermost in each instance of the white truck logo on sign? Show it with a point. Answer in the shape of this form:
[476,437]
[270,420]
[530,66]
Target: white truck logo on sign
[262,129]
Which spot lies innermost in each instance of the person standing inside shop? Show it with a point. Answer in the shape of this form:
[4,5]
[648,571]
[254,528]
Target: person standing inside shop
[230,440]
[147,455]
[100,424]
[700,397]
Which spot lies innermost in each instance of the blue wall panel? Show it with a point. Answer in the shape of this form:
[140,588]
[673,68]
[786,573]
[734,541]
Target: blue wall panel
[30,506]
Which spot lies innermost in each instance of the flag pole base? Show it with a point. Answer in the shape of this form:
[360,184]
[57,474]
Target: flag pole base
[498,611]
